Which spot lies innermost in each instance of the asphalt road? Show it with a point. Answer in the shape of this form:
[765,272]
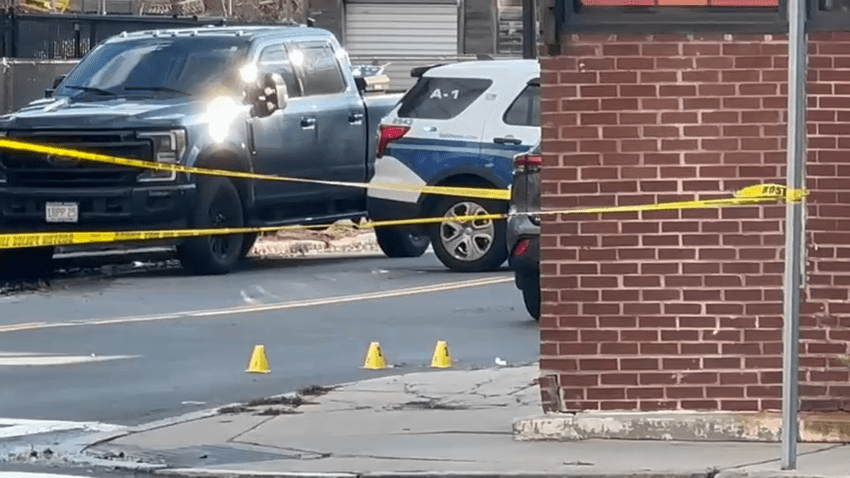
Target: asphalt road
[166,343]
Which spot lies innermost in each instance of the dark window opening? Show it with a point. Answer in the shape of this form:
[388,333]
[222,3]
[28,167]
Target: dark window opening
[320,69]
[525,110]
[275,59]
[675,16]
[441,98]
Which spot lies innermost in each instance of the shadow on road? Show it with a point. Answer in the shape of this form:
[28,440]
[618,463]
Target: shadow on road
[32,272]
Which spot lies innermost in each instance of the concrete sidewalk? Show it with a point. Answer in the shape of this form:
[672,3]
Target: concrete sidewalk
[446,423]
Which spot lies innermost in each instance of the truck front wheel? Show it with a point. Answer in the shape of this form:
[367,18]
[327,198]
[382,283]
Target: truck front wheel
[27,263]
[218,206]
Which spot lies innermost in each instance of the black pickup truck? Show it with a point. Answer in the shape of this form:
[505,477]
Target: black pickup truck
[278,100]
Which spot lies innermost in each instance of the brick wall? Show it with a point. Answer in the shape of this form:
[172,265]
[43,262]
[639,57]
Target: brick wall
[683,309]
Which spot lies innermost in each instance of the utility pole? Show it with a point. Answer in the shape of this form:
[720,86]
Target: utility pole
[797,75]
[529,29]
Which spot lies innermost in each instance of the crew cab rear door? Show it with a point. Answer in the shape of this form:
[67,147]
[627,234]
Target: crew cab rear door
[338,116]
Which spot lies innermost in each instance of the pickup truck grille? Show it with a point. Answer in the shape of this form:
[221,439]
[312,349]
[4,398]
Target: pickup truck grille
[37,170]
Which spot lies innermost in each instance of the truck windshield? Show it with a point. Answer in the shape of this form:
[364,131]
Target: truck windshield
[163,66]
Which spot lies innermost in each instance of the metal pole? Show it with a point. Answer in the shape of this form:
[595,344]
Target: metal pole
[529,29]
[797,75]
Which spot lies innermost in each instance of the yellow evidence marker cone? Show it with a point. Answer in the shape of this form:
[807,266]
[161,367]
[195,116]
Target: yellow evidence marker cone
[441,358]
[375,358]
[259,363]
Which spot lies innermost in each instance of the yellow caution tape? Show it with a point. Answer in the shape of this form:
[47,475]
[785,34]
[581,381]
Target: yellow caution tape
[481,193]
[752,195]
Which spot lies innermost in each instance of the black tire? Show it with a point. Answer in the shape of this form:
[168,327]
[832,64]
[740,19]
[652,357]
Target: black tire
[218,206]
[248,241]
[402,242]
[531,294]
[487,255]
[28,263]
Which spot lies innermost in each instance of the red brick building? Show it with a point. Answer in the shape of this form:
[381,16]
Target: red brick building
[682,310]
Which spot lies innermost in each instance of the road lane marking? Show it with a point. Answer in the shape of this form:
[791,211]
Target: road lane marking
[11,427]
[247,309]
[23,359]
[23,474]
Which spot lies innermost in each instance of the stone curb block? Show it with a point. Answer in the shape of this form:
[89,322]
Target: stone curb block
[680,426]
[765,474]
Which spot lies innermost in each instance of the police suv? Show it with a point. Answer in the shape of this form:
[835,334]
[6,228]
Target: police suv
[460,125]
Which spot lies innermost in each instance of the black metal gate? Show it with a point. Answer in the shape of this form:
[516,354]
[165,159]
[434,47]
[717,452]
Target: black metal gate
[71,36]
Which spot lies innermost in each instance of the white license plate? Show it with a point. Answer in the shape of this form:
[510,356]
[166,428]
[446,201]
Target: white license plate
[62,212]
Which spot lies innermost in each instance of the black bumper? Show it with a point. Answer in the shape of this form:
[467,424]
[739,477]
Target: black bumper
[387,210]
[104,209]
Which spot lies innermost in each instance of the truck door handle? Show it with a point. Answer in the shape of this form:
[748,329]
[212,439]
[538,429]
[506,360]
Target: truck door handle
[355,117]
[308,122]
[507,141]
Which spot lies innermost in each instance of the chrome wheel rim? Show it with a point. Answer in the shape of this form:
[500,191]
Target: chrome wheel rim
[467,241]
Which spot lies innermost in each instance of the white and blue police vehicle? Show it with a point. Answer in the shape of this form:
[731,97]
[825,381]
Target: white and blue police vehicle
[461,124]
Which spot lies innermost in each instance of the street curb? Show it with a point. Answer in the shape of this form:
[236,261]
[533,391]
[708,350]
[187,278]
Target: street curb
[81,444]
[224,473]
[204,472]
[680,425]
[765,474]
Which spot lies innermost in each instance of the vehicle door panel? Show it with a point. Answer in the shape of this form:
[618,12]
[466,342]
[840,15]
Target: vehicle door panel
[340,121]
[282,142]
[513,128]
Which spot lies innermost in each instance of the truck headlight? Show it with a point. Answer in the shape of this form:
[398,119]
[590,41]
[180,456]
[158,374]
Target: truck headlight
[222,112]
[168,147]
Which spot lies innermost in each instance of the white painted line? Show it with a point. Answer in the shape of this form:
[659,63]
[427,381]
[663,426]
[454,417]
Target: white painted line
[21,474]
[12,427]
[17,359]
[245,309]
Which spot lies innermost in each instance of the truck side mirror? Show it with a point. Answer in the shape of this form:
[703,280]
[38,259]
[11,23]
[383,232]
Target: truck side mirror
[56,82]
[270,95]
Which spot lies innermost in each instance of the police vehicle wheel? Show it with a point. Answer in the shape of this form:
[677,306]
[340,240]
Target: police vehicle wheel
[401,242]
[218,206]
[470,246]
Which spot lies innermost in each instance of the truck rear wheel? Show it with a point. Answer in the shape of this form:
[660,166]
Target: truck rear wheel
[248,242]
[401,242]
[218,206]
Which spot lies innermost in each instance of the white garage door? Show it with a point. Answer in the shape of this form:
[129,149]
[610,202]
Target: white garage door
[401,29]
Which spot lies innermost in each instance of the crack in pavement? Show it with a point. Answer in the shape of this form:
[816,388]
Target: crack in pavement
[774,460]
[234,438]
[325,455]
[318,454]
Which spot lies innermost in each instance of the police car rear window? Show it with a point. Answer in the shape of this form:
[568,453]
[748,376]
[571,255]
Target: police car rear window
[441,98]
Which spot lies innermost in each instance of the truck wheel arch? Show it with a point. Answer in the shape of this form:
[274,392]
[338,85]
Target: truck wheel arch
[231,161]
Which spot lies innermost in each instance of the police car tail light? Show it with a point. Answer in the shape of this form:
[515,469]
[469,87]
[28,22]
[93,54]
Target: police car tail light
[528,160]
[388,134]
